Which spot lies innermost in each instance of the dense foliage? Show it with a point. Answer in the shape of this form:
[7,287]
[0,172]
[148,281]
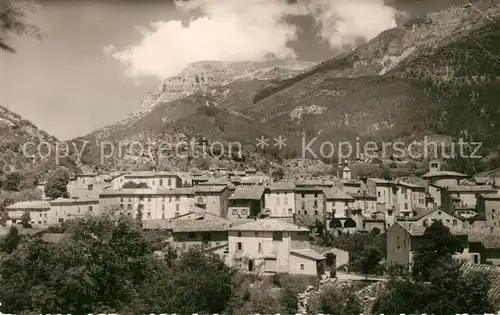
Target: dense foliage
[436,284]
[367,251]
[57,183]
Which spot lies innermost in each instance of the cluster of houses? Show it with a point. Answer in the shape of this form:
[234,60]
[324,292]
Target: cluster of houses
[258,224]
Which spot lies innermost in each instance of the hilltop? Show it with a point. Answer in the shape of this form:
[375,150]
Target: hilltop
[434,75]
[33,159]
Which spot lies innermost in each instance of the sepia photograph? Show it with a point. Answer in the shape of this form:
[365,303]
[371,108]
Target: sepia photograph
[184,157]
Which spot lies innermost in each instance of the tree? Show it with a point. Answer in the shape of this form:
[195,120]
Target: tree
[436,248]
[437,284]
[57,183]
[11,240]
[12,22]
[26,219]
[12,181]
[368,261]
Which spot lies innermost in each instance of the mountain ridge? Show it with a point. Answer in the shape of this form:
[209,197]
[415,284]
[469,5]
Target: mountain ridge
[416,79]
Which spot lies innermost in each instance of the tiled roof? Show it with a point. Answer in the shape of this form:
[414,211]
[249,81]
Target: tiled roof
[336,194]
[380,181]
[209,189]
[128,192]
[282,186]
[324,250]
[313,182]
[443,174]
[418,230]
[375,218]
[177,191]
[33,204]
[410,185]
[148,174]
[475,188]
[493,275]
[252,193]
[269,225]
[487,238]
[309,253]
[492,196]
[200,225]
[68,201]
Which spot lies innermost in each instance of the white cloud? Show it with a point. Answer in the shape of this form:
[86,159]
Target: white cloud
[109,50]
[246,30]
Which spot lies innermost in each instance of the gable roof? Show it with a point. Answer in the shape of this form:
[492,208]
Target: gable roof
[33,204]
[210,189]
[335,194]
[308,253]
[418,230]
[272,225]
[248,193]
[487,238]
[282,186]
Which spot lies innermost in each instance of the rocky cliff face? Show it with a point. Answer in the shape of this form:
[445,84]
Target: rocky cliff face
[25,148]
[203,75]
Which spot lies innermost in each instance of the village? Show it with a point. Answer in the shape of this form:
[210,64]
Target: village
[259,225]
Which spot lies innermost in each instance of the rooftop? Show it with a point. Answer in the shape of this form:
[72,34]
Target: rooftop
[432,174]
[309,253]
[335,194]
[248,193]
[486,237]
[474,188]
[493,275]
[149,174]
[210,189]
[418,230]
[269,225]
[33,204]
[282,186]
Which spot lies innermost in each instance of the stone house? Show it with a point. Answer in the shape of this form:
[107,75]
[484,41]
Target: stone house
[246,202]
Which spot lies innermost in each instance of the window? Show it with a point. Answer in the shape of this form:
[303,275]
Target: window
[90,208]
[426,223]
[122,206]
[239,246]
[379,193]
[256,234]
[397,242]
[153,182]
[315,195]
[303,204]
[169,181]
[177,198]
[163,215]
[235,212]
[454,222]
[303,195]
[305,212]
[244,212]
[439,212]
[301,266]
[78,209]
[177,207]
[289,211]
[163,207]
[149,199]
[406,206]
[239,234]
[278,200]
[121,199]
[260,247]
[149,214]
[316,212]
[315,203]
[277,236]
[161,182]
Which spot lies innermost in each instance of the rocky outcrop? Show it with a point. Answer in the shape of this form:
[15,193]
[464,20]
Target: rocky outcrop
[367,296]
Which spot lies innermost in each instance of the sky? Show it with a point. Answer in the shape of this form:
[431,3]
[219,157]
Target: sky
[98,58]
